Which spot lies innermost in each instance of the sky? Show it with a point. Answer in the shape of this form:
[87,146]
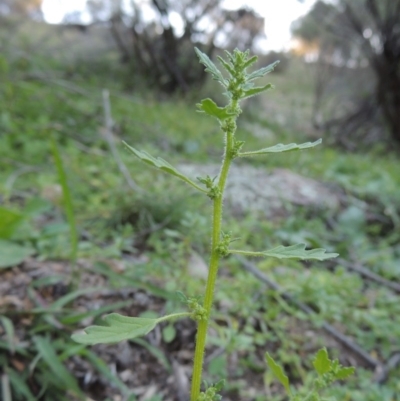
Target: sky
[278,14]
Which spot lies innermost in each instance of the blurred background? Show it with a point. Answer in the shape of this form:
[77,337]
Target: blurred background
[85,229]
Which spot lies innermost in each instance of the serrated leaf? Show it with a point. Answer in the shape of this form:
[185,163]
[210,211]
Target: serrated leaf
[255,91]
[262,71]
[210,67]
[299,251]
[250,61]
[321,362]
[161,164]
[278,372]
[344,373]
[227,65]
[209,107]
[118,328]
[280,147]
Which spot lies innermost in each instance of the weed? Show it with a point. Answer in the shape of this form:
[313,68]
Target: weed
[238,86]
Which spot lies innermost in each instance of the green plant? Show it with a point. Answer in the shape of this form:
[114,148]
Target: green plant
[238,86]
[328,372]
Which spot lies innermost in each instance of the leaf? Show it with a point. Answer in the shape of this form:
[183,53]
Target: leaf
[209,107]
[280,147]
[255,91]
[321,362]
[9,330]
[262,71]
[344,373]
[278,372]
[10,220]
[12,254]
[161,164]
[227,65]
[299,251]
[19,385]
[118,328]
[211,67]
[168,333]
[49,355]
[250,61]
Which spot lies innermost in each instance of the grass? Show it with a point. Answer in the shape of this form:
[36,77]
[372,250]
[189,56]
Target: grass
[117,225]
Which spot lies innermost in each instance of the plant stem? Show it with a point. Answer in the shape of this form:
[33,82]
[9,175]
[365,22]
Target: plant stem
[173,316]
[213,270]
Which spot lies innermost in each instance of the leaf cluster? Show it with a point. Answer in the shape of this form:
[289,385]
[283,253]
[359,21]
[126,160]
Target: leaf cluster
[328,372]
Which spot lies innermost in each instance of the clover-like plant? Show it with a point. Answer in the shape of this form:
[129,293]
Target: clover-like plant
[238,84]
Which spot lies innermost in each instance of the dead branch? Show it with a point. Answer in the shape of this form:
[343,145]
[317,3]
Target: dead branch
[108,133]
[340,337]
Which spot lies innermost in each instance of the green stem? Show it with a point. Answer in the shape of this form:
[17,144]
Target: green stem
[213,270]
[246,253]
[173,316]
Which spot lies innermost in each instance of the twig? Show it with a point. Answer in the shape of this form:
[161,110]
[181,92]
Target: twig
[370,275]
[110,140]
[340,337]
[382,374]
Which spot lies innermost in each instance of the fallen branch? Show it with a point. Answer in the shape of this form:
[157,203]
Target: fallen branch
[110,140]
[382,373]
[340,337]
[364,272]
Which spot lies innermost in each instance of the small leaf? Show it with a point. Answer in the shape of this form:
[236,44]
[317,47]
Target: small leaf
[321,362]
[181,297]
[278,372]
[344,373]
[211,67]
[209,107]
[219,385]
[299,251]
[168,333]
[10,220]
[227,65]
[118,328]
[255,91]
[250,61]
[12,254]
[161,164]
[9,330]
[280,147]
[262,71]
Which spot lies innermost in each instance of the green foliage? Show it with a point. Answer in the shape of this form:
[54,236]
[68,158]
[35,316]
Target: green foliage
[209,107]
[238,86]
[297,251]
[13,254]
[278,372]
[165,226]
[162,165]
[328,372]
[282,148]
[120,328]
